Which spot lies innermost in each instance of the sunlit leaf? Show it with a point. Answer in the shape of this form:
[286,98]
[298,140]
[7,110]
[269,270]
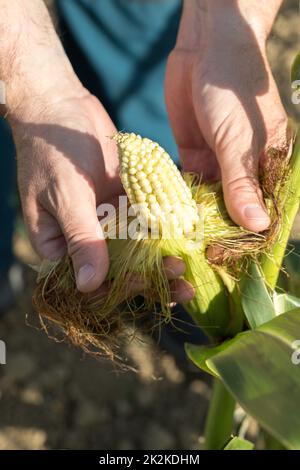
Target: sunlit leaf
[261,369]
[236,443]
[285,302]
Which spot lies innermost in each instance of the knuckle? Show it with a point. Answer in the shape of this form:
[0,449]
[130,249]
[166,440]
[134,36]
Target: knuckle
[278,131]
[78,241]
[243,185]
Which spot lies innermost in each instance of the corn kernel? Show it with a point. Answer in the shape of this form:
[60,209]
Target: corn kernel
[150,176]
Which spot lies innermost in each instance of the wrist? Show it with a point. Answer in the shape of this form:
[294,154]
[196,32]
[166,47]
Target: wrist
[33,90]
[229,20]
[33,65]
[35,94]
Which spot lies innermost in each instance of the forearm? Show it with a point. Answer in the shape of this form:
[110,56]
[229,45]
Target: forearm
[232,19]
[32,60]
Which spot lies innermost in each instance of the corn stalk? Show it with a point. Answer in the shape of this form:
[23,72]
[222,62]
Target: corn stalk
[271,262]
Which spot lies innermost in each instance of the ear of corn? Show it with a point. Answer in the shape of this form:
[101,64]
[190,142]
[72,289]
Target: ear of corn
[162,199]
[150,178]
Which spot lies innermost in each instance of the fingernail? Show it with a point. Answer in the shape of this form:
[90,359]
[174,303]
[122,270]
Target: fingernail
[85,274]
[174,266]
[187,294]
[254,211]
[186,291]
[175,271]
[257,219]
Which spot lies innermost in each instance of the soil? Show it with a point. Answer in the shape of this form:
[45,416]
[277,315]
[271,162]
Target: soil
[52,396]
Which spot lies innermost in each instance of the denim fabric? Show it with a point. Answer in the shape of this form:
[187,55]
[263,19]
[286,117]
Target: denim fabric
[7,194]
[119,49]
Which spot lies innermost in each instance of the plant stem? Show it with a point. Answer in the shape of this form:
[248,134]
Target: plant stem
[210,307]
[219,421]
[271,263]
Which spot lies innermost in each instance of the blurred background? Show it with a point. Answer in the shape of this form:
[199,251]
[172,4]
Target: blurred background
[53,396]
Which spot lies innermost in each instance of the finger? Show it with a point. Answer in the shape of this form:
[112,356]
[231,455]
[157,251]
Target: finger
[173,266]
[243,198]
[238,151]
[254,129]
[195,155]
[130,288]
[101,292]
[85,242]
[44,233]
[181,291]
[134,285]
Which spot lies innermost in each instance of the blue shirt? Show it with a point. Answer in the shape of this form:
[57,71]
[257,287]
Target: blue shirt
[123,45]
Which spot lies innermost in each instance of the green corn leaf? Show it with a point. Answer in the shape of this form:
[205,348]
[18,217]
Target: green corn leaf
[199,355]
[256,300]
[285,302]
[262,371]
[236,443]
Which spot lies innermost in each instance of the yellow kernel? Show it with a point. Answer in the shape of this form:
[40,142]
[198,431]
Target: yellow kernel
[140,197]
[147,189]
[141,175]
[161,197]
[133,179]
[155,209]
[153,177]
[148,168]
[151,199]
[156,153]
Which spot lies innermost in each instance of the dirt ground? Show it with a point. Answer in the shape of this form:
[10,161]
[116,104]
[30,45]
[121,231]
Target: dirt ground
[52,396]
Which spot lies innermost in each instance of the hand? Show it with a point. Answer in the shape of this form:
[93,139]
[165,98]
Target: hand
[67,164]
[223,103]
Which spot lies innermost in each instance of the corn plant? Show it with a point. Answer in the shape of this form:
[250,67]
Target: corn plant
[254,329]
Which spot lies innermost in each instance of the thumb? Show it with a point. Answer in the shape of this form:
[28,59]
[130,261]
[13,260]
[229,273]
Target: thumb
[242,193]
[86,246]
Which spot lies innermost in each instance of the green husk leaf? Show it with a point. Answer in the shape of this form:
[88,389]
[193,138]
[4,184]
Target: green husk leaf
[256,299]
[236,443]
